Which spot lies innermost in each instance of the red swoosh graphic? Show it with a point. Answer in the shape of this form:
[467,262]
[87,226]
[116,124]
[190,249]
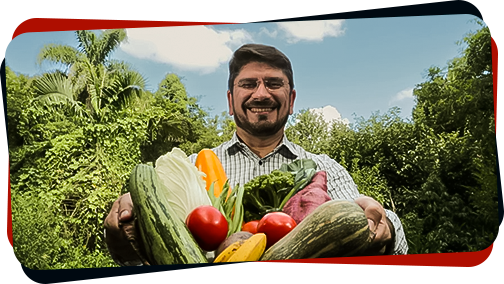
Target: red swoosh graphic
[33,25]
[495,75]
[453,259]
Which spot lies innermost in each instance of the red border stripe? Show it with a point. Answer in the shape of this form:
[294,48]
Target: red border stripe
[495,73]
[456,259]
[32,25]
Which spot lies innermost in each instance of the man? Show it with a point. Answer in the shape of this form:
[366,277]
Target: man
[261,97]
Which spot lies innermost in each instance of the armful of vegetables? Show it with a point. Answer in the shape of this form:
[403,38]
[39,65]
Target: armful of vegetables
[270,192]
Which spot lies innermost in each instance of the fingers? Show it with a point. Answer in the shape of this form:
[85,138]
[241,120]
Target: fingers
[125,208]
[373,211]
[111,222]
[120,232]
[378,225]
[121,211]
[126,218]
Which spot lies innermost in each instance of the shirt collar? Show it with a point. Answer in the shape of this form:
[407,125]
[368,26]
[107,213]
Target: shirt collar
[234,145]
[290,146]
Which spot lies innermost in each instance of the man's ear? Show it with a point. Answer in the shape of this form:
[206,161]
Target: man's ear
[292,99]
[230,102]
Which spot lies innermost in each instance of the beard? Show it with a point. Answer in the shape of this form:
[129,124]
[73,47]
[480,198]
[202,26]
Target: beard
[262,127]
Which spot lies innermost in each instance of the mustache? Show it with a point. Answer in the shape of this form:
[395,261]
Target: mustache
[260,104]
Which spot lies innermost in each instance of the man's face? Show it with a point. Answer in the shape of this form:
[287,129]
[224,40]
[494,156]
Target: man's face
[261,110]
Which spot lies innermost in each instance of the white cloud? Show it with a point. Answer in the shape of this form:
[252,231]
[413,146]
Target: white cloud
[311,30]
[265,31]
[330,114]
[197,48]
[406,94]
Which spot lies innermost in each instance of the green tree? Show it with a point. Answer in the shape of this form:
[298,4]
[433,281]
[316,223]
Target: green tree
[175,120]
[455,105]
[81,137]
[19,94]
[309,130]
[89,80]
[215,131]
[460,97]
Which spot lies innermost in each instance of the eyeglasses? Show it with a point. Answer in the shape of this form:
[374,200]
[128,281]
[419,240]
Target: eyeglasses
[270,84]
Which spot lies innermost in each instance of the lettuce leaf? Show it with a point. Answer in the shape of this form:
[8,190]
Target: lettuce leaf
[185,188]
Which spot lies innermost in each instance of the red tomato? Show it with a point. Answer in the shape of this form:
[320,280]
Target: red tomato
[208,227]
[250,226]
[275,225]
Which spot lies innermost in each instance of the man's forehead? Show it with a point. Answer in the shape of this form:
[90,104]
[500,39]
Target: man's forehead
[255,69]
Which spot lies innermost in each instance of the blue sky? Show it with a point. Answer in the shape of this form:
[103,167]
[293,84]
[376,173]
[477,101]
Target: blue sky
[358,66]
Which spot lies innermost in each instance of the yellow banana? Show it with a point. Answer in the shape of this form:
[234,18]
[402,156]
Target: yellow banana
[228,252]
[251,250]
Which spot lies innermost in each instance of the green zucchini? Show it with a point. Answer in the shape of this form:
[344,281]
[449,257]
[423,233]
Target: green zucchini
[165,237]
[337,228]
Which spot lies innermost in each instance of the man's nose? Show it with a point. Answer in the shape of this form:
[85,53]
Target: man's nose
[261,92]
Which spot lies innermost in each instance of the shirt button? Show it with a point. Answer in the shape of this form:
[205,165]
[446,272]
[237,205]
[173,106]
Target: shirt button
[260,163]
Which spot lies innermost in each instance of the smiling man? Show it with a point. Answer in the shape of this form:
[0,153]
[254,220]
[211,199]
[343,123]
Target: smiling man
[261,101]
[261,97]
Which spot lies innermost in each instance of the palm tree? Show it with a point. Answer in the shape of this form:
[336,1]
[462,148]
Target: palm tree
[90,83]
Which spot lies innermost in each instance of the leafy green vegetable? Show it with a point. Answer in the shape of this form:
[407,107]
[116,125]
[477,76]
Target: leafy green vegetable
[299,165]
[239,212]
[270,192]
[227,205]
[185,189]
[303,170]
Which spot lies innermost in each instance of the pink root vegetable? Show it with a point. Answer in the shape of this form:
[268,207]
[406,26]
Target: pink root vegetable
[309,198]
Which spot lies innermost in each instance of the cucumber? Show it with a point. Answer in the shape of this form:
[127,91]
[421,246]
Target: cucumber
[165,237]
[337,228]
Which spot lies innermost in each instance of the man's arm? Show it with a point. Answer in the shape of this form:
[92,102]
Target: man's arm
[340,185]
[400,244]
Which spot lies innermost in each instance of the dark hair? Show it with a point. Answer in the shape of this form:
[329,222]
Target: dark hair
[259,53]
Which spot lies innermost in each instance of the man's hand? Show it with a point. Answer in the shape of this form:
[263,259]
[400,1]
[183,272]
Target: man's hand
[382,231]
[120,233]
